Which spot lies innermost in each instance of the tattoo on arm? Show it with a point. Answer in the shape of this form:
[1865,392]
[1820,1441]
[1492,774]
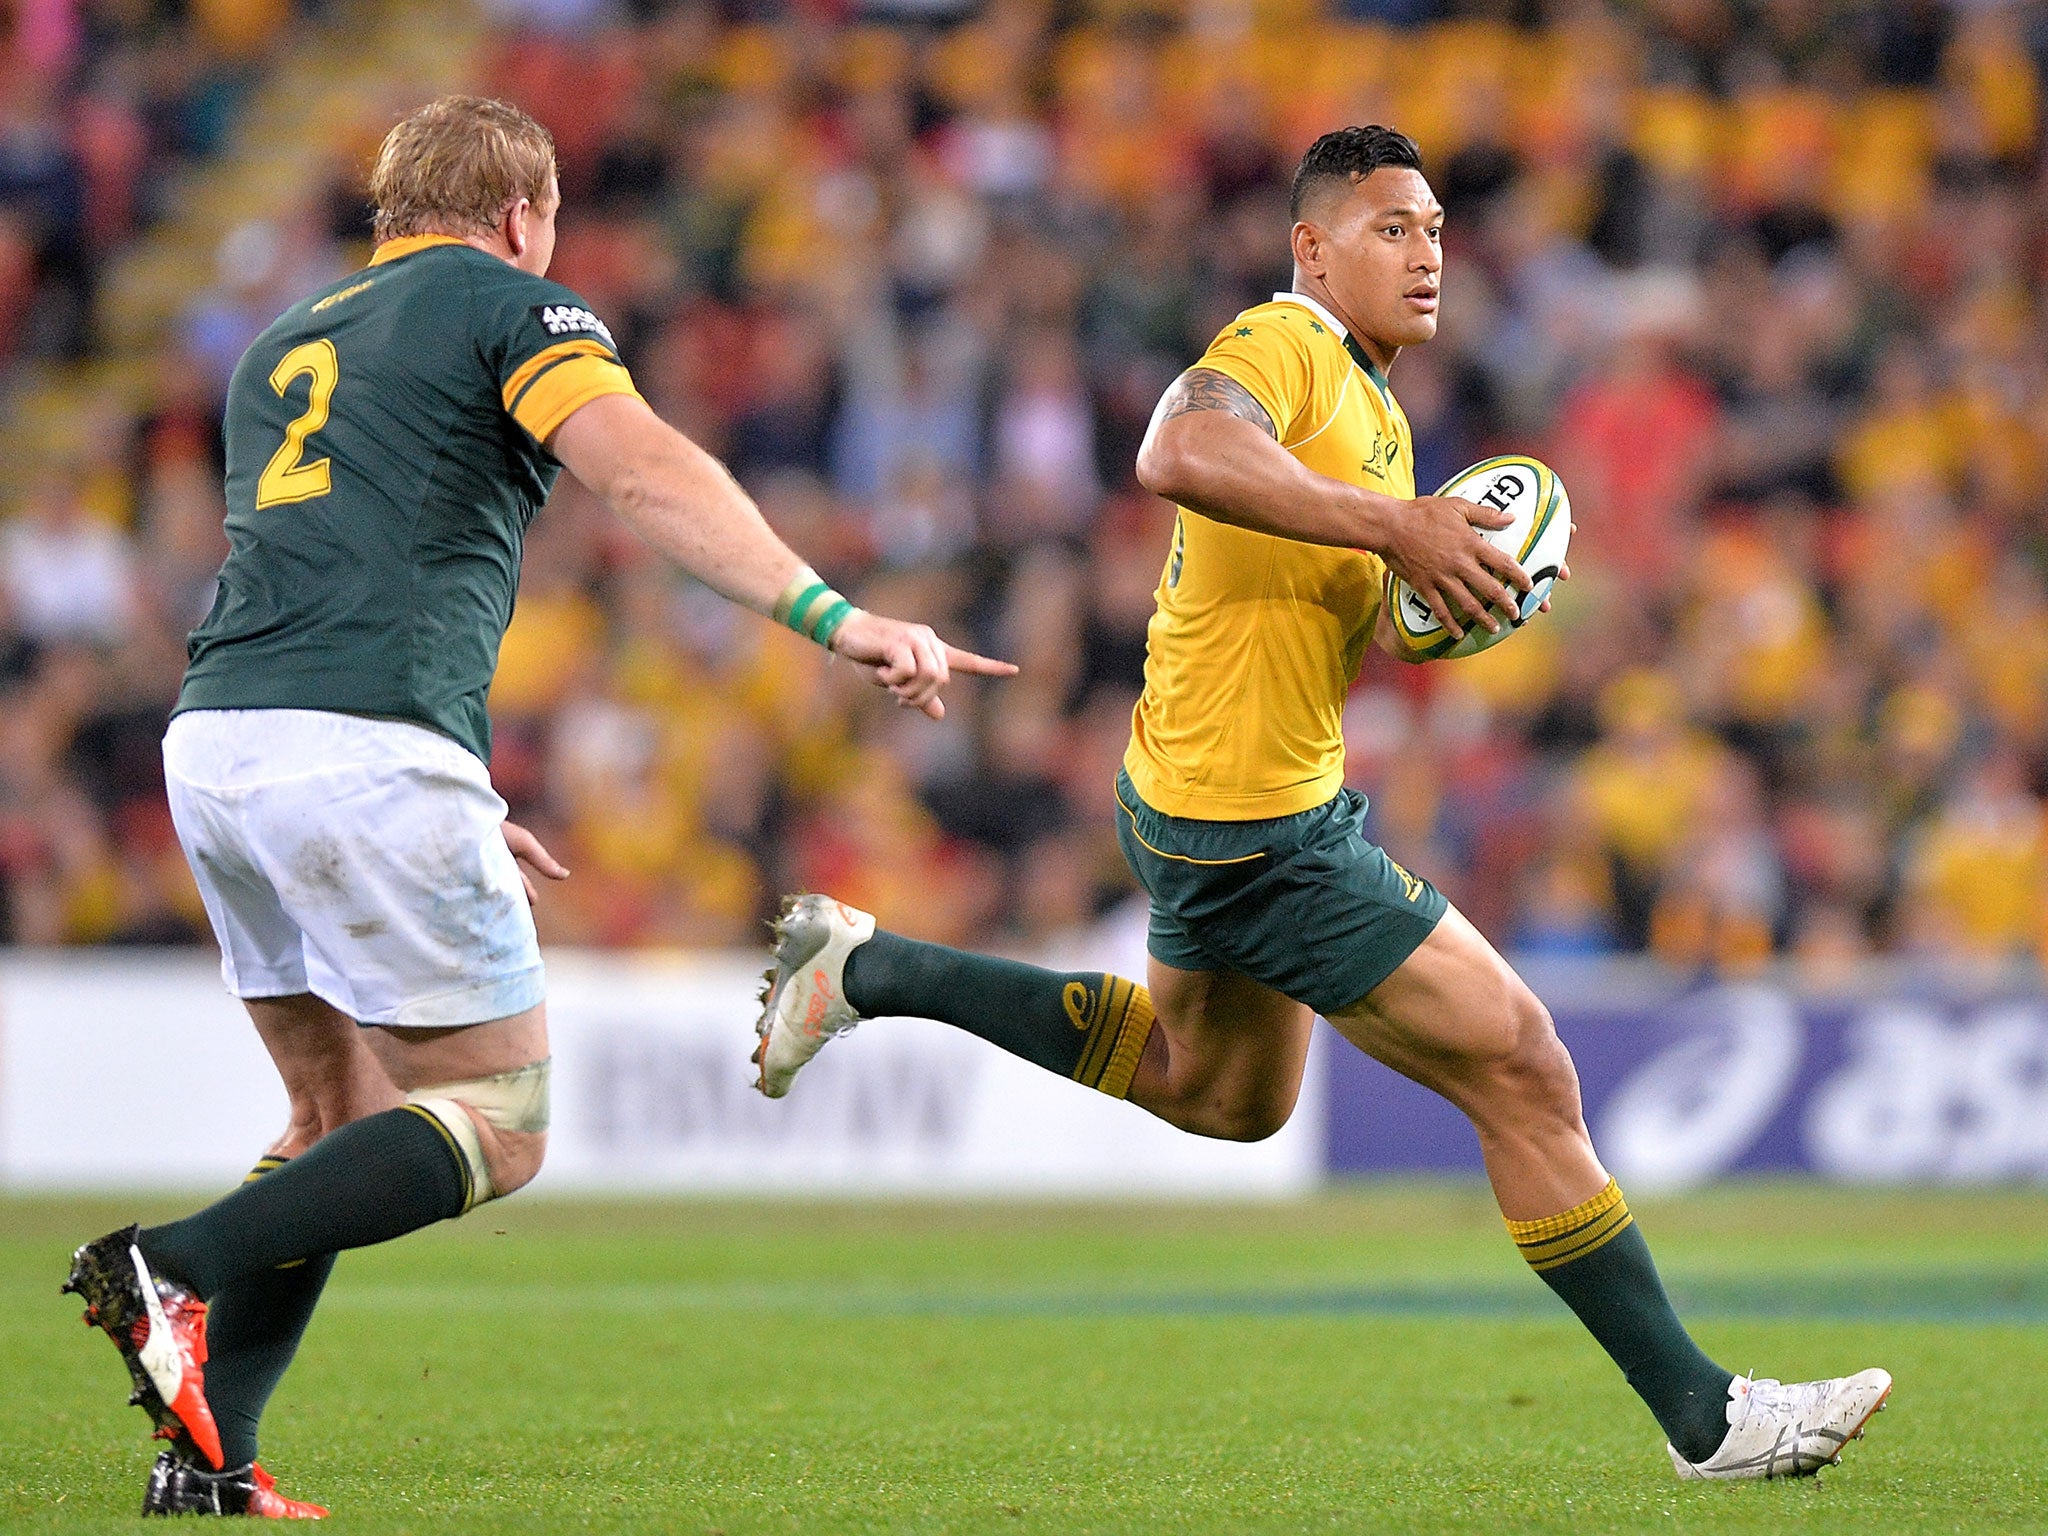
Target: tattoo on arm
[1205,389]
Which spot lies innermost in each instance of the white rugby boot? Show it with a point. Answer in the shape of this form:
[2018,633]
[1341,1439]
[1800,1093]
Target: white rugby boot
[1779,1429]
[803,996]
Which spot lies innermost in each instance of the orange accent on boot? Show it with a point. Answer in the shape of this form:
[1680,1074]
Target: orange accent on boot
[187,1318]
[272,1505]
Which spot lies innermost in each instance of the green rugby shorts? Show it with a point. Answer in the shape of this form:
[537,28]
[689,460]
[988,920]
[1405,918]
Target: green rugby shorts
[1304,903]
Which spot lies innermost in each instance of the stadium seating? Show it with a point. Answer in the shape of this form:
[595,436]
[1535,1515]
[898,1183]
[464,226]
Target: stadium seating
[1763,282]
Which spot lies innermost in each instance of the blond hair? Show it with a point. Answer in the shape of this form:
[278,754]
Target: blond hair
[456,165]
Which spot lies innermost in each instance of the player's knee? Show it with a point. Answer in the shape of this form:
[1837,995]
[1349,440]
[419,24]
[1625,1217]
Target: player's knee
[1541,1069]
[307,1125]
[1493,1023]
[515,1157]
[1521,1070]
[499,1125]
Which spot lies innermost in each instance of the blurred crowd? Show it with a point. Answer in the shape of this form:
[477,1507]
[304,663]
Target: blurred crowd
[1763,279]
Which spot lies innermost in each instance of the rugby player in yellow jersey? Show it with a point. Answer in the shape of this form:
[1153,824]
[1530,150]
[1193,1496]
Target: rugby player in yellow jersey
[1292,466]
[389,440]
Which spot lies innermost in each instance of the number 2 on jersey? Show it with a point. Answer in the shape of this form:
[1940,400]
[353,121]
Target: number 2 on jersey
[287,477]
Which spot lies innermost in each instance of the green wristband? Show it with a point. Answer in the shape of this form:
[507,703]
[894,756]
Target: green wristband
[794,612]
[811,608]
[829,622]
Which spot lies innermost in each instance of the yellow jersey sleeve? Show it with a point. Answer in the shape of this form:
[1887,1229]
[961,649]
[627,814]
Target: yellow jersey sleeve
[549,387]
[1269,351]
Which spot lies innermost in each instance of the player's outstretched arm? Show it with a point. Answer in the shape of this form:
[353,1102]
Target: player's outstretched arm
[683,502]
[1211,447]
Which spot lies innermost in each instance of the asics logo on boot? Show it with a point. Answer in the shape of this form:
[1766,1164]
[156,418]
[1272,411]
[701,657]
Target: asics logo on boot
[822,996]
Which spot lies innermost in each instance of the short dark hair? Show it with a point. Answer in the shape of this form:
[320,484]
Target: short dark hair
[1350,155]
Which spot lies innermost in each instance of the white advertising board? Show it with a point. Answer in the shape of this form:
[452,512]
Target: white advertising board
[131,1071]
[653,1089]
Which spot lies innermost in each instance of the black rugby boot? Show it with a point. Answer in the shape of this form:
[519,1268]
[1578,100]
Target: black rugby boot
[177,1487]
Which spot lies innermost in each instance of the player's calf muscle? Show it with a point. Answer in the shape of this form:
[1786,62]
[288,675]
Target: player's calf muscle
[1227,1058]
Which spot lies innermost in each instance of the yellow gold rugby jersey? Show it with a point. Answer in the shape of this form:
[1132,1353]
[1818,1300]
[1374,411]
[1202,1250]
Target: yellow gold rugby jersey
[385,454]
[1257,638]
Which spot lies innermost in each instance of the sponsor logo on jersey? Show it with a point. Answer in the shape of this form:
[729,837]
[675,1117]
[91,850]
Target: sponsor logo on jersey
[566,319]
[1381,459]
[347,293]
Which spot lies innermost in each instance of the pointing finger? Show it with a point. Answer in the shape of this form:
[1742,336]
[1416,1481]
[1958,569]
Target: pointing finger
[967,661]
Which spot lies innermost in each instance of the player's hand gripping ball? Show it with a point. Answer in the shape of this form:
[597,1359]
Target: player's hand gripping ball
[1530,493]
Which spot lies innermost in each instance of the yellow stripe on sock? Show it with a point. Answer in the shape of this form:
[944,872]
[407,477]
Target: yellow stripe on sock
[1092,1045]
[1563,1250]
[1131,1036]
[1547,1227]
[455,1147]
[1110,999]
[1565,1241]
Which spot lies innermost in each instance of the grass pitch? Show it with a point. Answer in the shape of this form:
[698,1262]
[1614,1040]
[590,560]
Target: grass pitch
[1376,1360]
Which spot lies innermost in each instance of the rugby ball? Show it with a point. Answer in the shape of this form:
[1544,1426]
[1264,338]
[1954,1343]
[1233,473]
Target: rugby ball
[1530,493]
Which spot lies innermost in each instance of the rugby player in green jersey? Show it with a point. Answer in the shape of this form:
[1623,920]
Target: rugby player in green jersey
[1291,465]
[389,439]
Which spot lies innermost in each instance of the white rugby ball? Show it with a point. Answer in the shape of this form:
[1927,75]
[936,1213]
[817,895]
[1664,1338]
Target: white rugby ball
[1529,492]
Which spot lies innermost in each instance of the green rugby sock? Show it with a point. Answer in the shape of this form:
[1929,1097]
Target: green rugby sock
[253,1328]
[1086,1025]
[1595,1257]
[374,1179]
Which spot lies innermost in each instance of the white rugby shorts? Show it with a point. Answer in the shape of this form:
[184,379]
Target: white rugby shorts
[360,860]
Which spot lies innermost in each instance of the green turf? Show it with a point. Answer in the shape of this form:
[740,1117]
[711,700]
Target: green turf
[1369,1361]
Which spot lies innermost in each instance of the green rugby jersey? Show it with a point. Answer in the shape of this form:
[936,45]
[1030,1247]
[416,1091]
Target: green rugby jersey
[384,460]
